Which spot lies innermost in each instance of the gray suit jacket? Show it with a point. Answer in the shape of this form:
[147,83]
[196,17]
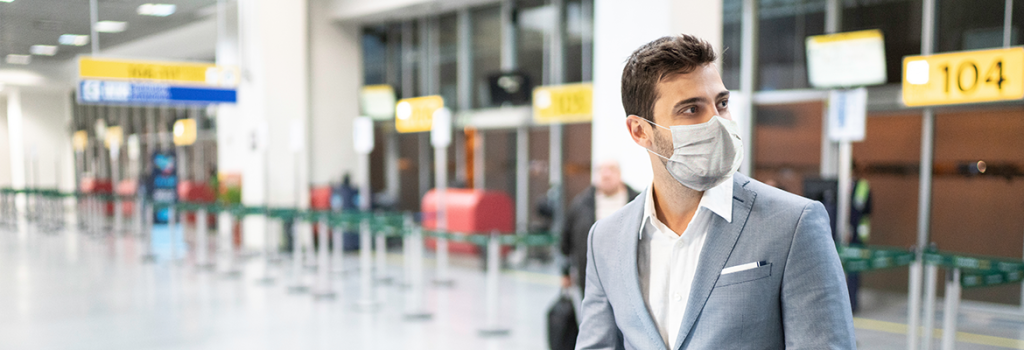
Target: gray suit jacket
[798,300]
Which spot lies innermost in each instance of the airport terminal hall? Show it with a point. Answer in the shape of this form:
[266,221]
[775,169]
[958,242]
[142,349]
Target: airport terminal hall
[511,174]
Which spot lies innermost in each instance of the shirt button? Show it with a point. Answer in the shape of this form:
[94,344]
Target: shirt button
[677,297]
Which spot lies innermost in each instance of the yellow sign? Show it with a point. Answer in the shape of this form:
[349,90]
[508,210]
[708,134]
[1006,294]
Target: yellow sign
[113,137]
[184,73]
[80,140]
[184,132]
[416,114]
[572,103]
[964,77]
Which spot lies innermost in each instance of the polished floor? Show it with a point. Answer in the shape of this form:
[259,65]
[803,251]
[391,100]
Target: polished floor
[70,290]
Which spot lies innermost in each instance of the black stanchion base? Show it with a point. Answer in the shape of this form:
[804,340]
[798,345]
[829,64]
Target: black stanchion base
[368,306]
[444,283]
[298,289]
[231,275]
[497,332]
[324,296]
[418,316]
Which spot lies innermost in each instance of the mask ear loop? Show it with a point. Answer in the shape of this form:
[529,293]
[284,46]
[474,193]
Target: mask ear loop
[648,149]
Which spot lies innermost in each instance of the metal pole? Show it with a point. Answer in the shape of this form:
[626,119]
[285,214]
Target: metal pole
[414,298]
[441,176]
[324,290]
[523,182]
[147,234]
[491,327]
[380,245]
[830,151]
[94,37]
[338,256]
[367,300]
[172,219]
[202,246]
[1007,23]
[925,183]
[844,191]
[748,66]
[931,278]
[226,245]
[298,285]
[952,309]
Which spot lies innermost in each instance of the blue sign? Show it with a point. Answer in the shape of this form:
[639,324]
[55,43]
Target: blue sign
[123,92]
[163,183]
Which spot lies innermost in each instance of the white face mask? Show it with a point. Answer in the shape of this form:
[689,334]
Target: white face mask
[705,154]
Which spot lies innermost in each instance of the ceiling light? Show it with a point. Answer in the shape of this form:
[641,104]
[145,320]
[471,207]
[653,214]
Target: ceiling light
[111,26]
[158,10]
[19,59]
[6,0]
[43,50]
[73,40]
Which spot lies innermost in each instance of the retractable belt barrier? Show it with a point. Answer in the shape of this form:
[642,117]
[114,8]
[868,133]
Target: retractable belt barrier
[963,271]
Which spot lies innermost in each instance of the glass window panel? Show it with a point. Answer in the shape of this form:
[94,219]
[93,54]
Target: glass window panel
[486,51]
[969,24]
[534,25]
[374,55]
[900,23]
[732,34]
[783,27]
[447,54]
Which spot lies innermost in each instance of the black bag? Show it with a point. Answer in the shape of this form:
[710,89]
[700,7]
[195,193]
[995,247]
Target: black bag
[562,326]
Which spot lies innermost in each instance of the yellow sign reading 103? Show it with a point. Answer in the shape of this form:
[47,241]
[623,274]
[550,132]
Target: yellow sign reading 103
[964,77]
[416,114]
[571,103]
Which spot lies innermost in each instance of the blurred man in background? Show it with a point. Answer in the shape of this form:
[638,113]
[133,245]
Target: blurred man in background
[598,201]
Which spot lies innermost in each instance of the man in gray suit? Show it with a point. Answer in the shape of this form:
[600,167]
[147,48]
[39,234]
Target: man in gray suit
[706,258]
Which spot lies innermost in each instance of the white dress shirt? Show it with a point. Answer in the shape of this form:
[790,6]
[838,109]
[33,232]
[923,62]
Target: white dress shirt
[667,261]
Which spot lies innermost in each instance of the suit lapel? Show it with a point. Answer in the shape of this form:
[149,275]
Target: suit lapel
[721,238]
[628,243]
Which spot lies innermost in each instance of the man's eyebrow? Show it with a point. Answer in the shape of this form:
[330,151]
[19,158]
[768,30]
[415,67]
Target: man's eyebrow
[690,101]
[722,95]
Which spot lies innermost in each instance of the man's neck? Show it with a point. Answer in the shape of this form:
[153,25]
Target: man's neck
[674,203]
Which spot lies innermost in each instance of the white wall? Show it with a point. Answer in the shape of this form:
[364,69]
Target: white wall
[5,146]
[38,140]
[620,27]
[337,74]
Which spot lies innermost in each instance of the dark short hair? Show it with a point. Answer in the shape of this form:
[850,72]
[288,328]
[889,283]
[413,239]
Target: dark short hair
[657,60]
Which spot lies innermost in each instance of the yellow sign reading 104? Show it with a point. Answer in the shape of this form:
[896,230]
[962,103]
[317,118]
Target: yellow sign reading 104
[417,114]
[964,77]
[571,103]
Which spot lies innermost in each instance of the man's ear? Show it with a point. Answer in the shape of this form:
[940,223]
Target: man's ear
[639,130]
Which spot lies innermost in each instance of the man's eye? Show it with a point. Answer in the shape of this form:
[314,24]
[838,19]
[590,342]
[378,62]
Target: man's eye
[723,103]
[691,109]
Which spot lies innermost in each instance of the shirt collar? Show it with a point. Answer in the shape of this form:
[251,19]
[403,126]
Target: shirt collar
[717,199]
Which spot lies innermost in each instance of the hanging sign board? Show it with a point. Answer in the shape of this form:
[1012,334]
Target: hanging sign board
[133,82]
[846,59]
[377,101]
[174,73]
[571,103]
[416,114]
[847,114]
[964,77]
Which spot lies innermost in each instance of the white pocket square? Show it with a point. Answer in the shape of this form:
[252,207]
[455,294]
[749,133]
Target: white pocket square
[743,267]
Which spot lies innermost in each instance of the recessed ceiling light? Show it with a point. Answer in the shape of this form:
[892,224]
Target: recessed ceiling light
[19,59]
[6,0]
[43,50]
[73,40]
[111,26]
[159,10]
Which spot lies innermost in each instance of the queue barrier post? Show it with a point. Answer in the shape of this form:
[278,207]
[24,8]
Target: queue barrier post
[491,327]
[380,267]
[367,299]
[298,285]
[414,278]
[202,244]
[952,309]
[323,289]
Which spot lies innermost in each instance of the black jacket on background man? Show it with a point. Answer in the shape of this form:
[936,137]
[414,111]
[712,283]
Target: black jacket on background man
[578,219]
